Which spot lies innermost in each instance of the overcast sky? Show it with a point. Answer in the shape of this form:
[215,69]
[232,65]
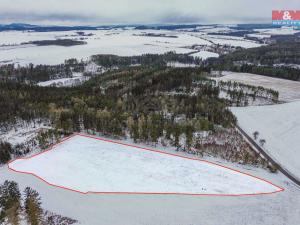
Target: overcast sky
[84,12]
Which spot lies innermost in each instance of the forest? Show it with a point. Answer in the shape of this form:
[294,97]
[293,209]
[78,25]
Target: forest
[137,97]
[280,52]
[147,103]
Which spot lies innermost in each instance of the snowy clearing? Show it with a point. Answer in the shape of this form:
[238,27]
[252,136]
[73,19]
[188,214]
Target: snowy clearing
[279,125]
[288,90]
[22,132]
[103,166]
[64,82]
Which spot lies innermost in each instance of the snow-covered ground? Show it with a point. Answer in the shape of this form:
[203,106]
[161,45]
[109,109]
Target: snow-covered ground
[233,41]
[278,31]
[64,82]
[116,41]
[103,166]
[274,209]
[279,125]
[226,40]
[205,55]
[22,132]
[259,35]
[288,90]
[215,29]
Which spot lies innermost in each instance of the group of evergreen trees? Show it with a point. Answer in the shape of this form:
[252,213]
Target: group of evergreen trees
[12,207]
[240,94]
[283,72]
[5,152]
[109,61]
[16,208]
[34,73]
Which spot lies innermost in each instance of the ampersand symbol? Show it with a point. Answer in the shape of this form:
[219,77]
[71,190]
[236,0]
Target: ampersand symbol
[286,15]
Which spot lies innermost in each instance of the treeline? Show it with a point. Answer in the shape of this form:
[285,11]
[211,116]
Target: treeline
[263,60]
[271,71]
[240,94]
[147,103]
[110,61]
[286,52]
[282,72]
[15,209]
[58,42]
[34,73]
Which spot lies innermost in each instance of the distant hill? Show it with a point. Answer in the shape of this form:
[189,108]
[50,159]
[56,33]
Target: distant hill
[45,28]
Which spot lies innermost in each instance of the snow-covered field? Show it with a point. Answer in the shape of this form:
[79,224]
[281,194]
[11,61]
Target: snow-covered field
[278,31]
[103,166]
[288,90]
[92,209]
[205,54]
[226,40]
[116,41]
[279,125]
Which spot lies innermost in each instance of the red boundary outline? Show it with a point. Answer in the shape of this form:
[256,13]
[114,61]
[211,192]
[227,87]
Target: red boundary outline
[140,193]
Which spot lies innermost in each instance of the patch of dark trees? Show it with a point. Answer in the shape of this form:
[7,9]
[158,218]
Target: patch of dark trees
[110,61]
[57,42]
[37,73]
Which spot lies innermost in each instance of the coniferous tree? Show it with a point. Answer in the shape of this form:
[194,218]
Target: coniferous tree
[5,152]
[10,203]
[32,206]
